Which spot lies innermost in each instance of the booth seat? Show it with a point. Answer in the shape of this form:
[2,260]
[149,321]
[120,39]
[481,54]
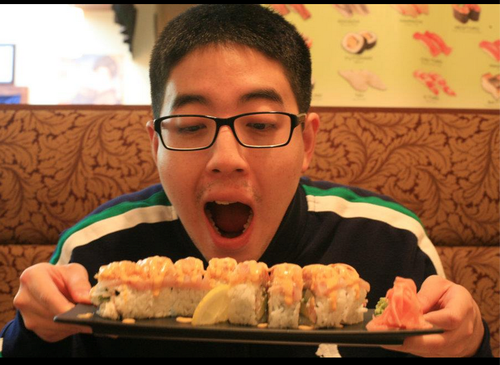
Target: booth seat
[58,163]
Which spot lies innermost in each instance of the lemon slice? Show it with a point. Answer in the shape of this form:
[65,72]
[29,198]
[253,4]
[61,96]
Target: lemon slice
[213,307]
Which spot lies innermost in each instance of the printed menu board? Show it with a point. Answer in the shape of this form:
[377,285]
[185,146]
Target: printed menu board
[402,55]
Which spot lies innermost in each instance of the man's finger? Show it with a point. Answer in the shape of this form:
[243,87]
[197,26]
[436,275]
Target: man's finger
[77,282]
[444,318]
[432,290]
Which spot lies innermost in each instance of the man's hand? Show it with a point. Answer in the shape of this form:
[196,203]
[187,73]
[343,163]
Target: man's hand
[46,291]
[452,308]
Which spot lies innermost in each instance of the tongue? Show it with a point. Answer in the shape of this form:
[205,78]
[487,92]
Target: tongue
[230,218]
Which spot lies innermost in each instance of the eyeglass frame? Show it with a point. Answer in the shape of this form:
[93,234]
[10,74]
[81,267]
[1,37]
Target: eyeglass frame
[295,120]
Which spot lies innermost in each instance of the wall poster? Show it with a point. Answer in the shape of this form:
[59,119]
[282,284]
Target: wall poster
[402,55]
[91,79]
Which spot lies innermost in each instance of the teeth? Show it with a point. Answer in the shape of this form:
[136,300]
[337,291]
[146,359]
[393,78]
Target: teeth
[210,218]
[222,202]
[247,224]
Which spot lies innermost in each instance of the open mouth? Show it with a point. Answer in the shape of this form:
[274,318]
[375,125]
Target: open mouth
[229,219]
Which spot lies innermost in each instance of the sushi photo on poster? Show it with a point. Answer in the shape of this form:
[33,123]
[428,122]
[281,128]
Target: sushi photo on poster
[402,55]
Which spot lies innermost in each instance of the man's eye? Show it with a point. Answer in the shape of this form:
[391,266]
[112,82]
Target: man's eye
[261,126]
[191,129]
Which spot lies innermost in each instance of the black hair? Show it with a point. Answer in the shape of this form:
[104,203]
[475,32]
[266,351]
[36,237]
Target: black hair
[251,25]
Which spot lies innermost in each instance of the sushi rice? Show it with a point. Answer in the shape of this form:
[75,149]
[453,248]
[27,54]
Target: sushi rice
[285,294]
[247,293]
[189,287]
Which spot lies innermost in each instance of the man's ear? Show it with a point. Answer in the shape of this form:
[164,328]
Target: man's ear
[309,133]
[153,138]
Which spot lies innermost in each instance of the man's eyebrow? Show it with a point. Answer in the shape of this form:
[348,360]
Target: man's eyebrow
[185,99]
[258,94]
[265,94]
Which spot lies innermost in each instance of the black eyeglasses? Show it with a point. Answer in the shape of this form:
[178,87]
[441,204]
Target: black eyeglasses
[252,130]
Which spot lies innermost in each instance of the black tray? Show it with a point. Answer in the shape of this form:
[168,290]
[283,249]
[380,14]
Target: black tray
[170,329]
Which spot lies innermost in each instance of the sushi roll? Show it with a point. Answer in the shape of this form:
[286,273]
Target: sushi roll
[491,84]
[127,289]
[328,295]
[461,13]
[247,293]
[333,295]
[354,43]
[474,11]
[189,287]
[284,296]
[356,291]
[321,302]
[219,271]
[370,39]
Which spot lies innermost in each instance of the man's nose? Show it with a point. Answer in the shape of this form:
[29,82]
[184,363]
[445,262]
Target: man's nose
[226,154]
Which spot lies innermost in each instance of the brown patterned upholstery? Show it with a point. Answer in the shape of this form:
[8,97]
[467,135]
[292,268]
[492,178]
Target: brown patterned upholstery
[442,165]
[58,163]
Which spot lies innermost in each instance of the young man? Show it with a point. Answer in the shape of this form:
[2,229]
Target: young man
[231,89]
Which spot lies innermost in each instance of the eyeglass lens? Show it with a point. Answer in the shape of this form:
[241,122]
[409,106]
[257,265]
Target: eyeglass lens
[258,130]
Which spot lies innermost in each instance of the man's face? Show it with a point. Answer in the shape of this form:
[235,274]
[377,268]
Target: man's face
[229,198]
